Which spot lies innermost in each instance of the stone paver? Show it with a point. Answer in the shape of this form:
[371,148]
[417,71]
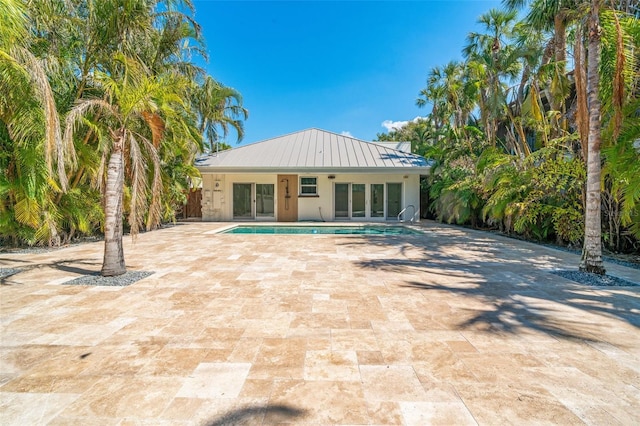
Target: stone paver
[450,327]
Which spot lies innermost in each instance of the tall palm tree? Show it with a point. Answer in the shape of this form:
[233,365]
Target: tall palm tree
[134,112]
[220,110]
[85,59]
[552,16]
[547,15]
[493,61]
[31,150]
[435,95]
[592,250]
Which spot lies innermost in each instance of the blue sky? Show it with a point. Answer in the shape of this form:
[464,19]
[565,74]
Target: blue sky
[342,66]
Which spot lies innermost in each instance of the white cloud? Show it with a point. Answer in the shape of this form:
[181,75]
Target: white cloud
[393,125]
[346,133]
[397,125]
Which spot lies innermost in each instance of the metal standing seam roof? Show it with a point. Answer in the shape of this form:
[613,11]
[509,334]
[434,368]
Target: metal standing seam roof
[312,149]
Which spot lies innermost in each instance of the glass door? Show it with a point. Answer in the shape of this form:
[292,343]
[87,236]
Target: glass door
[242,205]
[357,200]
[394,200]
[377,200]
[341,207]
[265,206]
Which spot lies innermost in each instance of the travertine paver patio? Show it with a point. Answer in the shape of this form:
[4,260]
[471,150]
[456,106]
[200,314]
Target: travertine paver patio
[453,327]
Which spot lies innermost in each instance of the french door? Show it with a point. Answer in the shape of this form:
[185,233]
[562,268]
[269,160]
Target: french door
[253,200]
[242,201]
[349,201]
[394,200]
[265,201]
[377,200]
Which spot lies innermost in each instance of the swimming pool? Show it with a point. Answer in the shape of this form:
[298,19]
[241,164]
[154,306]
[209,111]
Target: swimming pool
[335,230]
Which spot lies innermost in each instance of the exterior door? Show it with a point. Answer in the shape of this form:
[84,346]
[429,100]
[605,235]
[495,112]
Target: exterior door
[377,200]
[394,200]
[358,200]
[242,201]
[349,200]
[341,201]
[265,206]
[287,198]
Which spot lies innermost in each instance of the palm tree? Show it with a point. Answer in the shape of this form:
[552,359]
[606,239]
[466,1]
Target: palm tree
[552,16]
[85,60]
[220,109]
[451,94]
[547,15]
[493,61]
[592,250]
[31,150]
[134,112]
[434,94]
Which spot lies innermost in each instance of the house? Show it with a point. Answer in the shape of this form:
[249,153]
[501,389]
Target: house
[312,175]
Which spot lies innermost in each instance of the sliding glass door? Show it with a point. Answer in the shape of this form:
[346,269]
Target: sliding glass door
[357,200]
[350,200]
[394,200]
[265,206]
[244,195]
[341,206]
[377,200]
[242,205]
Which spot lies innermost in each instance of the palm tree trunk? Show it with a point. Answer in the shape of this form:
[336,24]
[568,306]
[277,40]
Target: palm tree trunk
[113,262]
[582,113]
[560,46]
[592,251]
[560,33]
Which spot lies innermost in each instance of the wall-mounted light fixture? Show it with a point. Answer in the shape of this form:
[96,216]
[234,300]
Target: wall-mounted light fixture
[331,176]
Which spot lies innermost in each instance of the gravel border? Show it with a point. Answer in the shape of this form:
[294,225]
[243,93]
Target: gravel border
[587,278]
[123,280]
[7,272]
[605,256]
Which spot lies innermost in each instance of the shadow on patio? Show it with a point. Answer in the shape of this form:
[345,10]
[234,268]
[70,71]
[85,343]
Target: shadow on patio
[74,266]
[274,414]
[509,284]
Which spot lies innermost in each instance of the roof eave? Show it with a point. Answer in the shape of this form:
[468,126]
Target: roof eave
[409,170]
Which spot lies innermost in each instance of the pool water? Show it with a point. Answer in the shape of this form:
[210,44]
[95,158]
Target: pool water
[336,230]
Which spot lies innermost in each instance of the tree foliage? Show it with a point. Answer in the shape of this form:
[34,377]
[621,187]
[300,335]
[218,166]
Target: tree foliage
[506,130]
[82,79]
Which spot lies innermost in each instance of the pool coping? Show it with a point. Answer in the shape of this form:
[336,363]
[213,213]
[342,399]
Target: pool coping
[225,229]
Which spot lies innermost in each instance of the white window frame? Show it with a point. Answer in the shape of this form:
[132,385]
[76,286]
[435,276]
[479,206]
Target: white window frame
[315,186]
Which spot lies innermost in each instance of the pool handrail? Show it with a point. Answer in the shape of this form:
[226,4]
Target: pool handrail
[404,210]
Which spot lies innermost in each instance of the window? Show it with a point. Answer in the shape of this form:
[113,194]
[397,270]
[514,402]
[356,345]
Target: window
[308,186]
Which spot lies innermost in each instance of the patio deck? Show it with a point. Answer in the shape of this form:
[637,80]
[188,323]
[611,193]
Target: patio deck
[453,327]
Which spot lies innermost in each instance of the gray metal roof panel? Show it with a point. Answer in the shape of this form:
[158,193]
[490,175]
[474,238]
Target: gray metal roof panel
[311,148]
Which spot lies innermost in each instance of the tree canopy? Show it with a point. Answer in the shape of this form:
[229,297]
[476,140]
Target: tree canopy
[92,88]
[510,129]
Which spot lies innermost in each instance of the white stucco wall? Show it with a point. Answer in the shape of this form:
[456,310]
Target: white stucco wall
[217,195]
[308,207]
